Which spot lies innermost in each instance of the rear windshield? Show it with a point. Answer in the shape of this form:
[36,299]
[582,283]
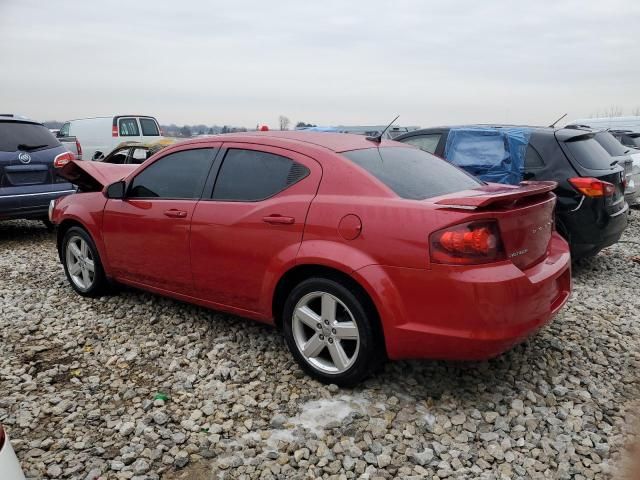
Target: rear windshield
[632,140]
[25,136]
[412,173]
[589,154]
[149,127]
[611,144]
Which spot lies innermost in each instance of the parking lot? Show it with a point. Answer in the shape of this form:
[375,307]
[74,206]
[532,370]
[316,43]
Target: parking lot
[138,386]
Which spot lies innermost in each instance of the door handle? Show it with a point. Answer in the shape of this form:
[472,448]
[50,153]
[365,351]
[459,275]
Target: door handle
[173,213]
[278,220]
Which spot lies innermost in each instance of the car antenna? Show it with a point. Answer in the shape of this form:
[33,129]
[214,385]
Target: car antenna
[378,138]
[554,123]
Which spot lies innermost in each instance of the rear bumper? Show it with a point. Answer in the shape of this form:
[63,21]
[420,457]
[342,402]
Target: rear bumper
[468,313]
[30,203]
[591,228]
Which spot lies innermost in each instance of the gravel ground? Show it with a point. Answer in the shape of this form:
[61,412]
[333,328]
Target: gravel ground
[82,384]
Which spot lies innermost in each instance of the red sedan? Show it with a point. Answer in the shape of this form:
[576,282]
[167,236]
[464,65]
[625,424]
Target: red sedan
[359,250]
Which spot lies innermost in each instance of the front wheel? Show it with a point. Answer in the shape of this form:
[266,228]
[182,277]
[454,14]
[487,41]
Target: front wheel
[329,331]
[82,264]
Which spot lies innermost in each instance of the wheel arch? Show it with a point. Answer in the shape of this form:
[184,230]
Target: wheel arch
[301,272]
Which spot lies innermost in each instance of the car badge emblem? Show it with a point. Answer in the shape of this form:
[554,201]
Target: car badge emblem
[24,157]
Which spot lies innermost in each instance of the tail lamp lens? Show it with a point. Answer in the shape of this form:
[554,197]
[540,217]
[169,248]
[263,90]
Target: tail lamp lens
[114,131]
[2,437]
[62,159]
[79,148]
[592,187]
[467,244]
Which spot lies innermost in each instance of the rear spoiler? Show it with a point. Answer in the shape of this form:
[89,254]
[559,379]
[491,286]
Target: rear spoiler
[494,194]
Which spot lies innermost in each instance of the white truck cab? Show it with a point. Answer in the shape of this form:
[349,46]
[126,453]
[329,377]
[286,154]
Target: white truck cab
[100,135]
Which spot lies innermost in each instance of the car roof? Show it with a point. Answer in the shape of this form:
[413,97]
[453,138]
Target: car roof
[7,118]
[563,132]
[336,142]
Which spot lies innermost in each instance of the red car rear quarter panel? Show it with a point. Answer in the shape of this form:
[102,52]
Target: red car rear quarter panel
[466,312]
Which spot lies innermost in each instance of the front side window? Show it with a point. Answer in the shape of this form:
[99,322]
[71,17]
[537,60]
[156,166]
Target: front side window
[179,175]
[428,143]
[139,155]
[149,127]
[64,130]
[129,127]
[412,173]
[250,175]
[120,156]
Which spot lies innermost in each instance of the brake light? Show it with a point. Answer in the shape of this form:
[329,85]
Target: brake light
[467,244]
[114,131]
[62,159]
[79,149]
[592,187]
[2,437]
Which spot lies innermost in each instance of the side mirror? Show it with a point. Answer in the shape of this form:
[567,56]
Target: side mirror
[115,190]
[97,156]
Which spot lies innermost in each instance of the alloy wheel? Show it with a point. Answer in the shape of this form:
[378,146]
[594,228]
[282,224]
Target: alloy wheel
[325,332]
[80,263]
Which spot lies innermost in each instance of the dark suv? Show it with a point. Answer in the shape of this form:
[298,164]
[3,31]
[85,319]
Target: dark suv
[29,157]
[591,209]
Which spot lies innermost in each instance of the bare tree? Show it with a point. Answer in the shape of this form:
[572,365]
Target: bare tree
[284,122]
[636,112]
[611,111]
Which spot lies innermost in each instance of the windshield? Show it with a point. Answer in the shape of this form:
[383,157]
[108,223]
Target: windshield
[412,173]
[16,136]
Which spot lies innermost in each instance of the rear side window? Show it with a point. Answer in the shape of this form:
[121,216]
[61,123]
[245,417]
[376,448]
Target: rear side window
[129,127]
[16,136]
[589,153]
[149,127]
[610,144]
[532,158]
[179,175]
[250,175]
[412,174]
[428,143]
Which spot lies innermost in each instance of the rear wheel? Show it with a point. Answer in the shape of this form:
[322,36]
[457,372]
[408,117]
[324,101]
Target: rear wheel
[82,263]
[329,331]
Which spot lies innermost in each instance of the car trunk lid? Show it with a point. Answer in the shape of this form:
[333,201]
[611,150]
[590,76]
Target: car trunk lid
[524,214]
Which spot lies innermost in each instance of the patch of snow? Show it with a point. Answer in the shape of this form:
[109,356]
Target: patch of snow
[317,415]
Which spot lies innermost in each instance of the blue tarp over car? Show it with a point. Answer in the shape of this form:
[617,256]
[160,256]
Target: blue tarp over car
[491,154]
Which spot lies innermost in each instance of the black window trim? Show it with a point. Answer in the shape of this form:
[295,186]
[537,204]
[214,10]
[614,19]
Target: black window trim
[210,184]
[214,159]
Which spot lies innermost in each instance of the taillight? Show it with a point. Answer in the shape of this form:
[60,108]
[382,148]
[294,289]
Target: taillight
[2,437]
[114,131]
[79,148]
[467,244]
[62,159]
[592,187]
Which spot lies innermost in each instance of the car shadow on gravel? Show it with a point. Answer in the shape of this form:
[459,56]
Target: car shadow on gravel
[21,230]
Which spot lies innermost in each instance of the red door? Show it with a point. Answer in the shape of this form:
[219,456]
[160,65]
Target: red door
[253,224]
[146,234]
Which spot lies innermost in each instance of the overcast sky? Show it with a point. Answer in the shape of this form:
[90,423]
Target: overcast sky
[326,62]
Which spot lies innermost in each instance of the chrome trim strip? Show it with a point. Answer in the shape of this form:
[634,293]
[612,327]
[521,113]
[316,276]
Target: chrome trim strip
[36,194]
[624,210]
[579,205]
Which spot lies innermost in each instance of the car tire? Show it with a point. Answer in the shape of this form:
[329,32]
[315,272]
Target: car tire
[82,264]
[330,331]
